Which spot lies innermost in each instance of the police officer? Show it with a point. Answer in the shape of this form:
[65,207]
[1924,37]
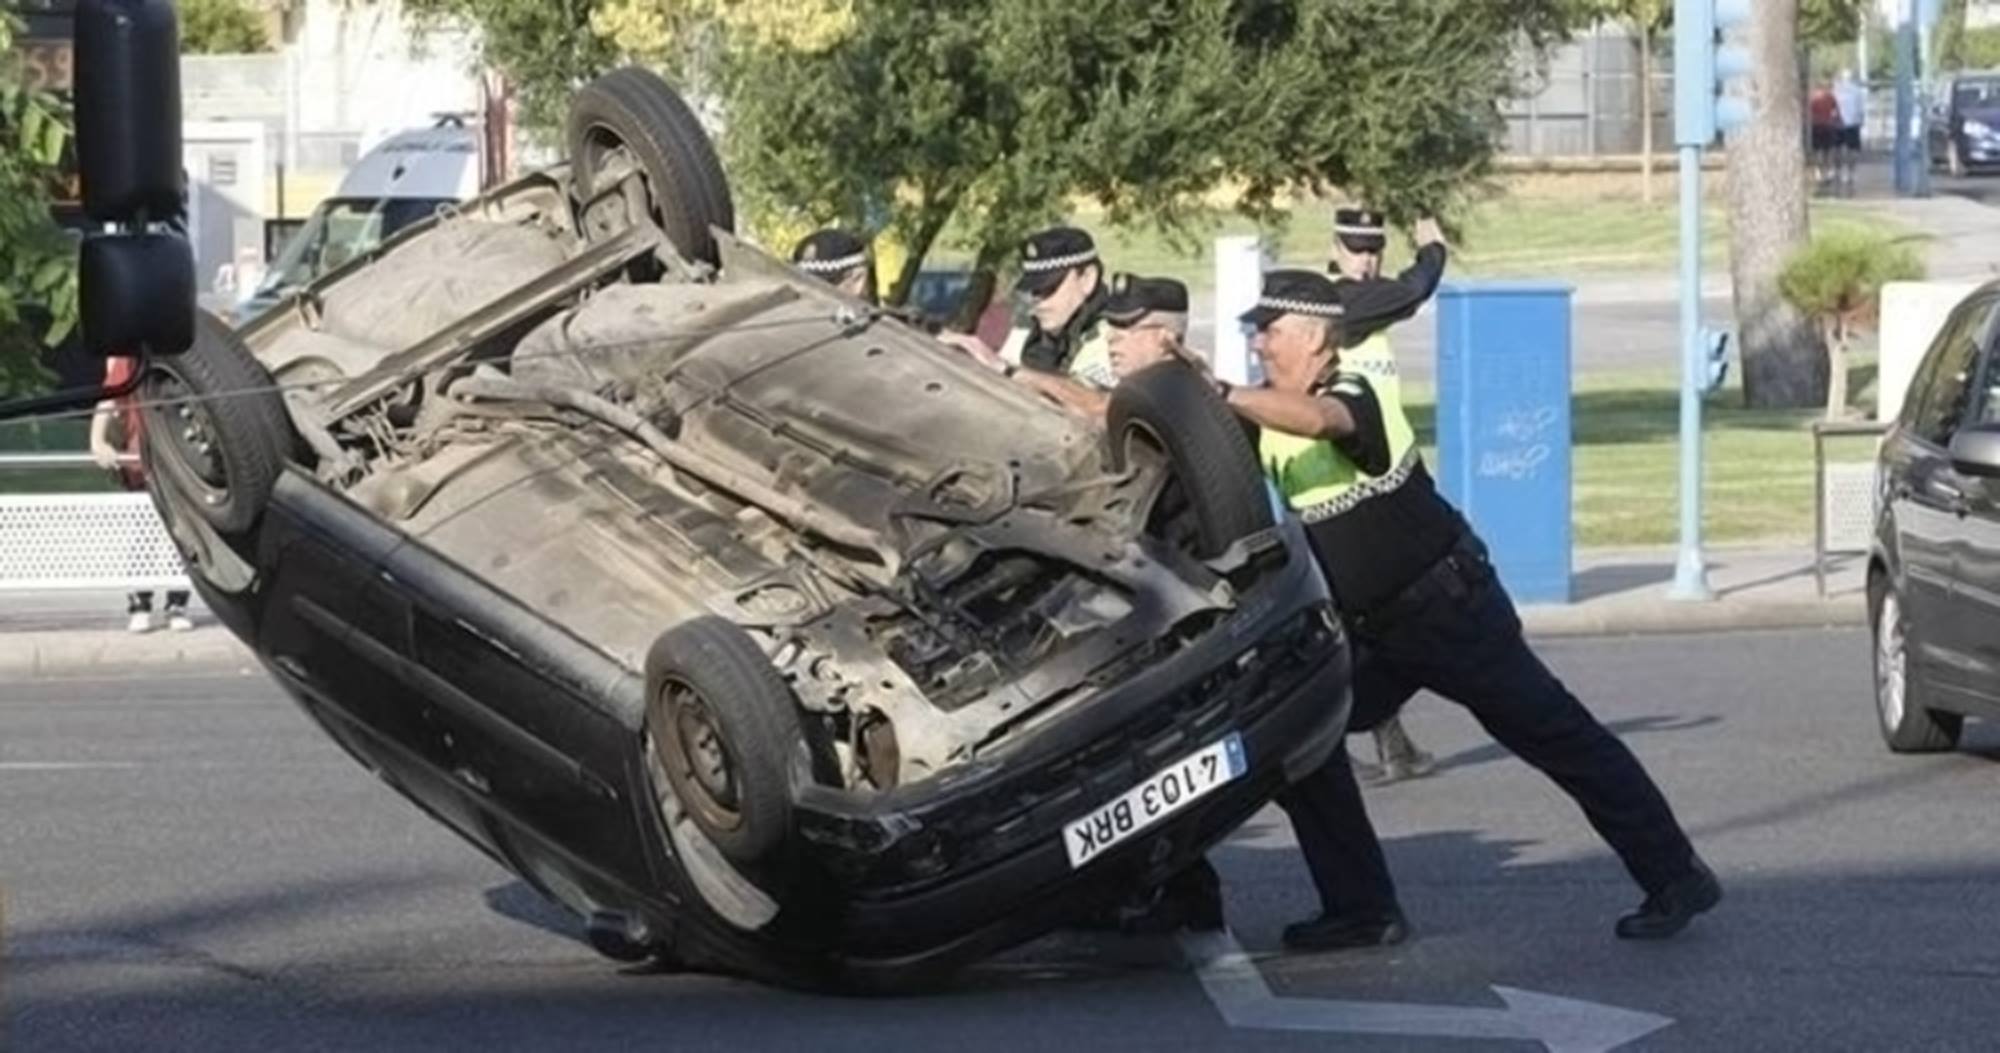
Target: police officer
[1063,276]
[840,258]
[1144,323]
[1371,304]
[1423,604]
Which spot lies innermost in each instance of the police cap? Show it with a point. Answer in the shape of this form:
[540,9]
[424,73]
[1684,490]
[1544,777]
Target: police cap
[1133,298]
[830,253]
[1049,255]
[1294,292]
[1359,229]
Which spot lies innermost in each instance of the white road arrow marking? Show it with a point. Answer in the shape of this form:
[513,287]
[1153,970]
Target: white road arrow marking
[1562,1025]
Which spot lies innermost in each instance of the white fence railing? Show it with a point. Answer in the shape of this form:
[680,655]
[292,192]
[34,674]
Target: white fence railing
[82,541]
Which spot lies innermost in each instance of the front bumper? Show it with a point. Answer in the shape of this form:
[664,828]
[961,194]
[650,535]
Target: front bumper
[976,861]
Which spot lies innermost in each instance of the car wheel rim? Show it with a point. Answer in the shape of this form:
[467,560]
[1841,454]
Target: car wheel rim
[187,433]
[1891,664]
[698,758]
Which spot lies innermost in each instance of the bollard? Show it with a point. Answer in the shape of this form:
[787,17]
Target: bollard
[1503,426]
[1239,278]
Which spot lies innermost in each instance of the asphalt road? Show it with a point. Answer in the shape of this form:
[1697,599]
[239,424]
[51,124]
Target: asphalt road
[190,865]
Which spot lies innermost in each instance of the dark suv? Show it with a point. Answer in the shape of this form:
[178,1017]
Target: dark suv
[1934,581]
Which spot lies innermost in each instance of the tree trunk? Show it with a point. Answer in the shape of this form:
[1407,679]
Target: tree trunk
[930,224]
[1783,362]
[1645,112]
[1836,369]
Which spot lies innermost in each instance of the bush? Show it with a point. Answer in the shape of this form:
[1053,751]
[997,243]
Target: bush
[1836,280]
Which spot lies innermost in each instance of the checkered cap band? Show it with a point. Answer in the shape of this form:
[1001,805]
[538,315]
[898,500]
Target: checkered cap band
[1323,310]
[834,265]
[1056,263]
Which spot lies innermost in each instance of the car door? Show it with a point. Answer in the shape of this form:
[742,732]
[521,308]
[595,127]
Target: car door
[1928,496]
[1975,598]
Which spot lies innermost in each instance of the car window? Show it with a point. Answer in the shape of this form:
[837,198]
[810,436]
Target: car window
[1972,94]
[1986,403]
[1945,397]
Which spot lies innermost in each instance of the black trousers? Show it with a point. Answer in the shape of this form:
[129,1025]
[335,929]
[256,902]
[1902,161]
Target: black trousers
[1456,633]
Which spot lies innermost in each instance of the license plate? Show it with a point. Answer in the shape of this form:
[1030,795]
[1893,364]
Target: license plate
[1167,791]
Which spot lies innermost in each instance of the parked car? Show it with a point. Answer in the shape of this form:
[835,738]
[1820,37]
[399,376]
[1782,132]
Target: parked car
[762,631]
[1965,123]
[1934,579]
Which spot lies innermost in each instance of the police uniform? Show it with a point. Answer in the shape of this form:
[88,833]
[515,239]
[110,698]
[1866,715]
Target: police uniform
[1080,349]
[1423,604]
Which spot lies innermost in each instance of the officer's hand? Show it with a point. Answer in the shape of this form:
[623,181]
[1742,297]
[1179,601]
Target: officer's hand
[975,347]
[1428,232]
[105,455]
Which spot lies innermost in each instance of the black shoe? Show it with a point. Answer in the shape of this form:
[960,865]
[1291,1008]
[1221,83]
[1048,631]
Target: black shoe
[1340,932]
[1669,910]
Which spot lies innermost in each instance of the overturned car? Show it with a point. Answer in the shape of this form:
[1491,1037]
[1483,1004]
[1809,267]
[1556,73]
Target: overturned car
[763,632]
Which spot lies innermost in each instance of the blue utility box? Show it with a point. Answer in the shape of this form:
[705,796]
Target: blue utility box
[1503,426]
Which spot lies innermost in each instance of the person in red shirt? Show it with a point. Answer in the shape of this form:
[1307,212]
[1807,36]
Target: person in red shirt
[107,448]
[1823,110]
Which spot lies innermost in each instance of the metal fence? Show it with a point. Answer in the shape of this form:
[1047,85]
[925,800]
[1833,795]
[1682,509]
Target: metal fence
[82,541]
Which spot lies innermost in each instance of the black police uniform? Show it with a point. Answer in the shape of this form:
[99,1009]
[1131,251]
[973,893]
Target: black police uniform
[1079,346]
[1373,304]
[1420,597]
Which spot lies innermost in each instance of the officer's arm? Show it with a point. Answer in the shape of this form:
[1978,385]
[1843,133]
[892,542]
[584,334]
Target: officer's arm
[1369,305]
[1294,413]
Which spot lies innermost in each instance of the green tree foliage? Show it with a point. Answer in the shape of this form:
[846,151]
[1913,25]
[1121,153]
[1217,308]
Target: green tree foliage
[37,259]
[1836,280]
[1830,21]
[977,120]
[545,47]
[221,27]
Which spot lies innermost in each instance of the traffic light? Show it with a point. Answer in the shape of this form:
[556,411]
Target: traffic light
[1705,68]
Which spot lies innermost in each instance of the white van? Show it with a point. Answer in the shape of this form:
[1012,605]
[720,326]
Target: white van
[407,177]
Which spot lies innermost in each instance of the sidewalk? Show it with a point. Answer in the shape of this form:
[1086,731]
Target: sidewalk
[1618,593]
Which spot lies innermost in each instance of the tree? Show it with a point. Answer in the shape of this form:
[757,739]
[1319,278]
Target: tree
[1782,362]
[37,258]
[221,27]
[1837,280]
[1647,19]
[970,123]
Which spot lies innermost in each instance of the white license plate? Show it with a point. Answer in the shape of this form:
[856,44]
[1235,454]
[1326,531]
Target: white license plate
[1167,791]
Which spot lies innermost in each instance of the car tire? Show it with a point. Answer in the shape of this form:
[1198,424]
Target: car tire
[727,730]
[1221,492]
[1902,699]
[635,110]
[216,429]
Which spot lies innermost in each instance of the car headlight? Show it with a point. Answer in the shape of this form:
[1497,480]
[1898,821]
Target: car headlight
[1978,128]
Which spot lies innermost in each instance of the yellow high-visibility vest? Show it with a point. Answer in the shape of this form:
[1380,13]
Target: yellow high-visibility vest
[1317,480]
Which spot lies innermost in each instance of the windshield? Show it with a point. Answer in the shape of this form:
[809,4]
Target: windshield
[339,230]
[1976,94]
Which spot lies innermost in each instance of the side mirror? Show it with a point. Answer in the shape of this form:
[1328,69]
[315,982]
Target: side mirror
[136,292]
[1975,451]
[128,110]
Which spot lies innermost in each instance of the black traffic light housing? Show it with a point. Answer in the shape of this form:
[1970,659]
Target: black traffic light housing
[136,287]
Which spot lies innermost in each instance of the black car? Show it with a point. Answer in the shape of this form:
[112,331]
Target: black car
[1965,123]
[762,631]
[1934,578]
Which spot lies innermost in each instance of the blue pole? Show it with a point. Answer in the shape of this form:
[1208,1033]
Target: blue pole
[1690,570]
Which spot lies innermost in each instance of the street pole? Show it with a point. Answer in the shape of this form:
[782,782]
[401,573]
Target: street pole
[1691,570]
[1906,46]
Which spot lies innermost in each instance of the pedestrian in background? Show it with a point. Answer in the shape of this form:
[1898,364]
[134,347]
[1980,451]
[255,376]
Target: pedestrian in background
[1851,98]
[115,431]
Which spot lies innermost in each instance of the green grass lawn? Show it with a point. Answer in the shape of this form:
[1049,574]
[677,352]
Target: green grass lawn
[1757,464]
[1521,235]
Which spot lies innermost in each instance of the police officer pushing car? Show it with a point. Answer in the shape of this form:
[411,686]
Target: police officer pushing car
[1063,277]
[1145,324]
[1425,610]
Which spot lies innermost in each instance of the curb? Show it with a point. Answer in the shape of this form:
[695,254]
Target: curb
[1669,617]
[212,650]
[76,655]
